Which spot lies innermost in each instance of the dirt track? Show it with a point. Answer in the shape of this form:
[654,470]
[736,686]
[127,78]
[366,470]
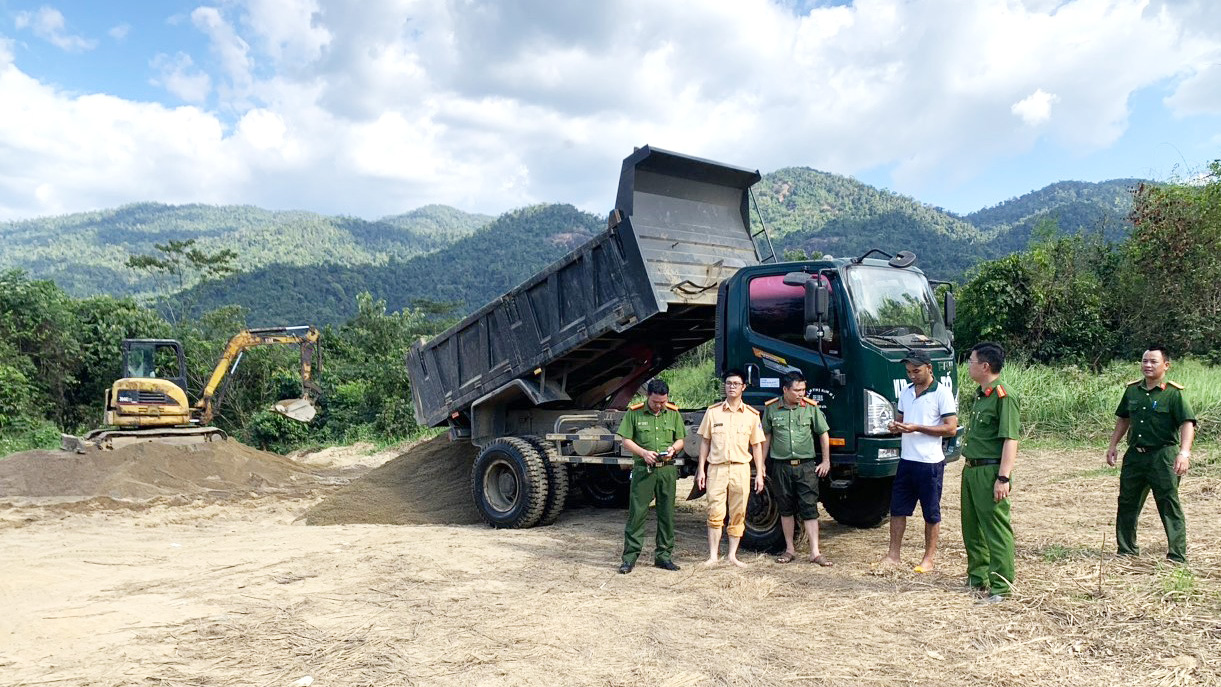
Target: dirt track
[238,591]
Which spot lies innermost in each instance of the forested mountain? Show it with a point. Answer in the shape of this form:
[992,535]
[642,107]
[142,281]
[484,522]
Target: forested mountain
[800,200]
[467,273]
[1076,206]
[300,266]
[824,213]
[86,253]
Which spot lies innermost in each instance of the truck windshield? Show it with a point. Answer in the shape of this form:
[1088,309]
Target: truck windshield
[894,307]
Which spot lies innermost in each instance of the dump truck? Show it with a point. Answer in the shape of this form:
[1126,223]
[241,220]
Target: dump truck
[540,378]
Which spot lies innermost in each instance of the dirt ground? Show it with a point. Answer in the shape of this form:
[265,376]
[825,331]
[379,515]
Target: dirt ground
[204,571]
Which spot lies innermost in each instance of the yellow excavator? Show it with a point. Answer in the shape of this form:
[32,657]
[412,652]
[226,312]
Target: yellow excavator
[150,404]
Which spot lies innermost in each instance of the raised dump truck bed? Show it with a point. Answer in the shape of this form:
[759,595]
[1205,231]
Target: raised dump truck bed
[585,332]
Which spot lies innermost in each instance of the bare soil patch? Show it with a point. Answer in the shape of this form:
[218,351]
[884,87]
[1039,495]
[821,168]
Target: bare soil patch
[239,591]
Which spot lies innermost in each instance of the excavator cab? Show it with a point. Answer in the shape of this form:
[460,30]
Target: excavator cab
[154,359]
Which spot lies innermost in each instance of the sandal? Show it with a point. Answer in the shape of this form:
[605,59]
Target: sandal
[785,557]
[822,561]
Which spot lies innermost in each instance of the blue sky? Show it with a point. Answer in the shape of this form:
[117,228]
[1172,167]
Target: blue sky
[377,107]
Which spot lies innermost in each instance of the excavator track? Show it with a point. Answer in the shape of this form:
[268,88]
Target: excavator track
[111,439]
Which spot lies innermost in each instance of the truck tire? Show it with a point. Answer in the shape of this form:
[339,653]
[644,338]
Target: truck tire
[606,486]
[763,531]
[509,483]
[864,504]
[557,479]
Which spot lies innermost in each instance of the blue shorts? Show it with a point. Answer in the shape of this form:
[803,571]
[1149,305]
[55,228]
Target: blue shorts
[918,482]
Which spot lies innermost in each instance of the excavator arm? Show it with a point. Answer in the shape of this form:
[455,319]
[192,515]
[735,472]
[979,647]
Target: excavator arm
[298,408]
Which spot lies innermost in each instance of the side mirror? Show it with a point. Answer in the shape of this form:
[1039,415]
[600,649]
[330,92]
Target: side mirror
[904,258]
[951,309]
[796,278]
[818,301]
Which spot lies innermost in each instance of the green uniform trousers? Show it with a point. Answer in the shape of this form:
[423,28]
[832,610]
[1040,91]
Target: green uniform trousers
[987,534]
[1140,474]
[647,484]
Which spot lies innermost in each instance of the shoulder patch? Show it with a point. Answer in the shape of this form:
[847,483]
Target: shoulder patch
[768,403]
[635,406]
[1000,391]
[751,409]
[1176,385]
[809,401]
[1134,382]
[671,406]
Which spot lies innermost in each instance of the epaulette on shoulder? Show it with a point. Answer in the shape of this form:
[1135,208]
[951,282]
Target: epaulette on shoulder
[1000,391]
[751,409]
[768,403]
[1176,385]
[636,406]
[714,405]
[671,406]
[809,401]
[1134,382]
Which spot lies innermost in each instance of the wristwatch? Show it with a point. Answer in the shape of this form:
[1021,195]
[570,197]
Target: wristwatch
[1002,479]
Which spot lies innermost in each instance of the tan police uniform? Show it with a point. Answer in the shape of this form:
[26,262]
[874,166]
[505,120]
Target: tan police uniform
[730,434]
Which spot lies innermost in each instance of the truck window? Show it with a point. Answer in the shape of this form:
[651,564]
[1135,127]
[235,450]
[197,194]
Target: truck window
[778,311]
[894,308]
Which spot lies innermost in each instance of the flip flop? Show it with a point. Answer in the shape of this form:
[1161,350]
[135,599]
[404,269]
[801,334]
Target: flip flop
[785,557]
[922,569]
[822,561]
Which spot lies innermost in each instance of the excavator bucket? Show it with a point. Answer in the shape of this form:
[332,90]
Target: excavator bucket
[300,409]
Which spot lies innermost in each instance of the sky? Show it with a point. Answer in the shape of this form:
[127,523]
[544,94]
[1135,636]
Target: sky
[377,107]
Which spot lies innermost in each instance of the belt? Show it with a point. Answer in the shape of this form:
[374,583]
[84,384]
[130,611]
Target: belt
[1150,449]
[794,462]
[983,461]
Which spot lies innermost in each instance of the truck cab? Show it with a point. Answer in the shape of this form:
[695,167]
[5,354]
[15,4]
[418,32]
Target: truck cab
[846,324]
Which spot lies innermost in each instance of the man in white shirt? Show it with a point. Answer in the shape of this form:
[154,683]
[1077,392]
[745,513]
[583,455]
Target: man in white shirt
[928,411]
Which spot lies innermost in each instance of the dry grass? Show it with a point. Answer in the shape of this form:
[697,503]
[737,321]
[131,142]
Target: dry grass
[428,605]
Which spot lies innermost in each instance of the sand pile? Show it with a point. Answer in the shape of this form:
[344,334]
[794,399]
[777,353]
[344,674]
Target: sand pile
[430,483]
[147,471]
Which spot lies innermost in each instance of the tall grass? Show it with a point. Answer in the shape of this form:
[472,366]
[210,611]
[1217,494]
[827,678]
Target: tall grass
[1078,406]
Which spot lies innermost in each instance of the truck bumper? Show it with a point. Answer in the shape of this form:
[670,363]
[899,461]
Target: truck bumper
[875,457]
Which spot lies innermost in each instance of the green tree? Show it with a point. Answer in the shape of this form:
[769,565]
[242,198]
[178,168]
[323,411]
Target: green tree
[1170,286]
[1046,304]
[37,322]
[180,266]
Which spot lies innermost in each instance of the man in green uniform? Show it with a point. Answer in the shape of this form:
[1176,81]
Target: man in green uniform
[790,424]
[653,431]
[1155,416]
[990,450]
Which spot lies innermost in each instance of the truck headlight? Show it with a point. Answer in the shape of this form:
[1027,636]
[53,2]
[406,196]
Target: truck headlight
[879,413]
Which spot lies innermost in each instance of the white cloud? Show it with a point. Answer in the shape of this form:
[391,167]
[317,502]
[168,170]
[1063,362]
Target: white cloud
[179,76]
[376,107]
[48,24]
[119,32]
[1035,108]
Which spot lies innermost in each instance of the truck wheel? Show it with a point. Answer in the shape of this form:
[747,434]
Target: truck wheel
[607,486]
[557,479]
[865,503]
[509,483]
[763,531]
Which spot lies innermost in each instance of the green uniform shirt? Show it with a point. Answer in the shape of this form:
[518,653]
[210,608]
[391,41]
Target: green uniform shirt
[652,432]
[994,418]
[1156,414]
[792,430]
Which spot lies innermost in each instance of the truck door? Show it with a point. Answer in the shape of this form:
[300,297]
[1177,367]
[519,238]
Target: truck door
[773,343]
